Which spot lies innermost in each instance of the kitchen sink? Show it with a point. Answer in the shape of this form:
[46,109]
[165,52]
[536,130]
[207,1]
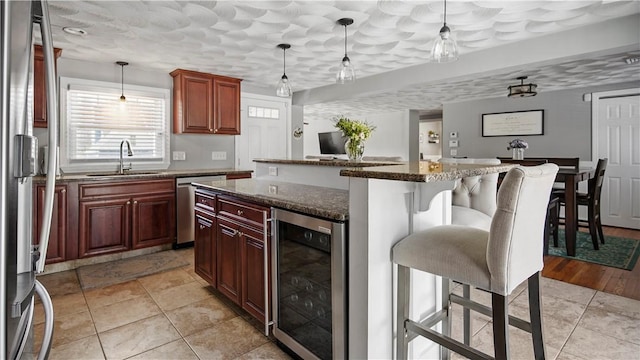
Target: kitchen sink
[125,174]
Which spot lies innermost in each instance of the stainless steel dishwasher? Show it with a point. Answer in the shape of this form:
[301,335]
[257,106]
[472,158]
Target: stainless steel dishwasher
[185,201]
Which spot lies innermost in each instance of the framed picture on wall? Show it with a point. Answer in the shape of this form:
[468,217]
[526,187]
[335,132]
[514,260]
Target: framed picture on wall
[530,122]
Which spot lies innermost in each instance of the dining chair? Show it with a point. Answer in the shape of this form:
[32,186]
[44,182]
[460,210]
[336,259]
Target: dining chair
[568,162]
[591,199]
[496,261]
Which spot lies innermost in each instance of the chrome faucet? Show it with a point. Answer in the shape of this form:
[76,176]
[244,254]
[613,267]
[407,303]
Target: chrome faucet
[121,168]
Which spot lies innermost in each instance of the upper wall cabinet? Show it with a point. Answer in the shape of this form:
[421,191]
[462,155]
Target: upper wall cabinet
[39,87]
[205,103]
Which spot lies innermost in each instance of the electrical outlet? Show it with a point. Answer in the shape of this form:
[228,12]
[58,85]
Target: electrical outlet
[179,155]
[454,152]
[218,155]
[273,171]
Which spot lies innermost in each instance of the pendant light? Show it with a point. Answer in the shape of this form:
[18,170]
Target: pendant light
[346,73]
[284,88]
[444,48]
[122,65]
[522,89]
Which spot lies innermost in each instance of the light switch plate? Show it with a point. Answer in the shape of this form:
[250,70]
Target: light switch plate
[454,152]
[179,155]
[218,155]
[273,171]
[453,143]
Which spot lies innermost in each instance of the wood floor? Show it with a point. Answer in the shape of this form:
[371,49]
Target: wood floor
[603,278]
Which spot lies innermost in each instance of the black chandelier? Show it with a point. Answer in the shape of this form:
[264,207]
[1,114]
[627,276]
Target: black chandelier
[522,89]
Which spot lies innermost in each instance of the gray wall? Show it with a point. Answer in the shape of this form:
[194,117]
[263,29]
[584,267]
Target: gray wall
[567,124]
[198,148]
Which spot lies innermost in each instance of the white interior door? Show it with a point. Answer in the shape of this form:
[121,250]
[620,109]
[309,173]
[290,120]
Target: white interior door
[617,137]
[264,132]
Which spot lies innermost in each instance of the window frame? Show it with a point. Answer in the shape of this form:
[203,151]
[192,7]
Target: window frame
[68,83]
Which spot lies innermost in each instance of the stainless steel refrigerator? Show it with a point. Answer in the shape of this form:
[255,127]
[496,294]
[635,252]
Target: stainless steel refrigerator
[20,260]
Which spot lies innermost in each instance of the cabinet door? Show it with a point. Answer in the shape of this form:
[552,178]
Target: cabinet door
[205,247]
[253,282]
[153,220]
[228,259]
[197,104]
[58,234]
[104,226]
[227,106]
[39,87]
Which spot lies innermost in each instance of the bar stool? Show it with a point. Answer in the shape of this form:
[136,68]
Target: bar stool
[496,261]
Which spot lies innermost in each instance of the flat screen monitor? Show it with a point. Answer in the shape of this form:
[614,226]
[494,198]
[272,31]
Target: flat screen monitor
[332,142]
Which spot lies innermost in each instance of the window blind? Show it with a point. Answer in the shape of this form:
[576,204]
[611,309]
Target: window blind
[97,122]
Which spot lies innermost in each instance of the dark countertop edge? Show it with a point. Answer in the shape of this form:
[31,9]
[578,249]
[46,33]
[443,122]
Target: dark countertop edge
[411,176]
[305,209]
[162,174]
[333,163]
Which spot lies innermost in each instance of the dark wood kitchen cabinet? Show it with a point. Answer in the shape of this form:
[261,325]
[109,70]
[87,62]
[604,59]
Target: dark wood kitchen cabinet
[39,86]
[242,229]
[59,229]
[125,215]
[205,236]
[205,246]
[205,103]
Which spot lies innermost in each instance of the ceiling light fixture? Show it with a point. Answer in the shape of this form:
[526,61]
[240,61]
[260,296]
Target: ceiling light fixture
[444,48]
[346,73]
[122,65]
[522,89]
[74,31]
[284,88]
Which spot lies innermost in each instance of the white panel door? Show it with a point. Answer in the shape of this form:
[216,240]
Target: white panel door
[263,134]
[617,125]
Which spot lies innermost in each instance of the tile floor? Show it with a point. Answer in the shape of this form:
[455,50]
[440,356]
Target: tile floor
[175,315]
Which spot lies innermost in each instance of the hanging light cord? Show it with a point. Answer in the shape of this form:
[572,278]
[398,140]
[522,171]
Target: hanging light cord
[445,12]
[284,62]
[122,80]
[345,40]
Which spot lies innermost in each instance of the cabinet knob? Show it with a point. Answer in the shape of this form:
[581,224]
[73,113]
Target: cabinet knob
[211,130]
[128,202]
[240,234]
[240,212]
[215,130]
[63,191]
[201,227]
[135,201]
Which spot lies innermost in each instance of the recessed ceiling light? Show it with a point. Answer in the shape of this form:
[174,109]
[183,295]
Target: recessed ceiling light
[74,31]
[632,60]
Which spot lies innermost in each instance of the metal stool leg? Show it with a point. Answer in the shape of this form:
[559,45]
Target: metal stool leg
[535,314]
[466,313]
[445,354]
[404,294]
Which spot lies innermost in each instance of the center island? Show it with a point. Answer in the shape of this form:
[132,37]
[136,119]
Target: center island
[386,202]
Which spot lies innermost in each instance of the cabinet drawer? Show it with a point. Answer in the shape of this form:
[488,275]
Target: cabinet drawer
[206,201]
[242,212]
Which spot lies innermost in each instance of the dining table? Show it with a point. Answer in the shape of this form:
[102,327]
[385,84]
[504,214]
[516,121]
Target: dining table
[571,177]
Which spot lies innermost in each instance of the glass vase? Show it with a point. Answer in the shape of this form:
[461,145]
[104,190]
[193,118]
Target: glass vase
[354,150]
[518,153]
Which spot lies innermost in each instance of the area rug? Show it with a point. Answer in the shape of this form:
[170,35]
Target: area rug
[119,271]
[616,252]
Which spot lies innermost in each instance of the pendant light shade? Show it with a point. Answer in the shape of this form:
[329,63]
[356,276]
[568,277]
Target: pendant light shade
[522,89]
[346,73]
[122,65]
[283,88]
[444,48]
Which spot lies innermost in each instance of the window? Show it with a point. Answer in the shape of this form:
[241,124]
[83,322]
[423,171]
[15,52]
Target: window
[263,112]
[94,122]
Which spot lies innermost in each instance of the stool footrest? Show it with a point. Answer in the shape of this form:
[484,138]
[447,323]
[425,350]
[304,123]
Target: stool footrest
[446,341]
[430,321]
[485,310]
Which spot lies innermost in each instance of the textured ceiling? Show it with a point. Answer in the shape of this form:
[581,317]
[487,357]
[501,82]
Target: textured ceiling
[239,38]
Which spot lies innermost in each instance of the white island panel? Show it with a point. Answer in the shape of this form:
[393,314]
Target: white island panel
[381,213]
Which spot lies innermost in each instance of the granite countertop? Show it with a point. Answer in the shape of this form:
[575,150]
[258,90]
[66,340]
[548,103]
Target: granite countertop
[316,201]
[142,174]
[327,162]
[425,171]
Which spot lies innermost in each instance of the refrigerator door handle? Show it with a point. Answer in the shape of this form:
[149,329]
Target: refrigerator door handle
[52,114]
[48,321]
